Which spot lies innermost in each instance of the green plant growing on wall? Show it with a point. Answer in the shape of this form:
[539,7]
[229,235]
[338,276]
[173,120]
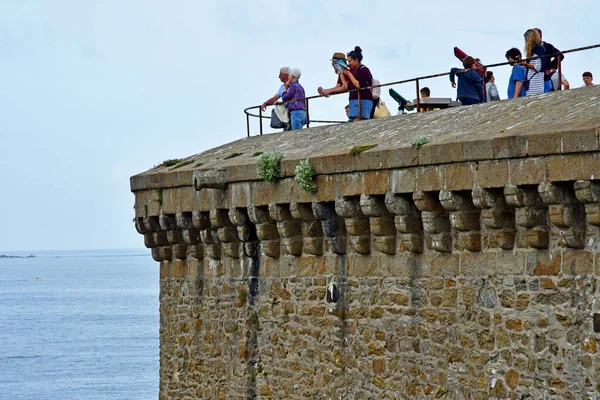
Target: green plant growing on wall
[258,153]
[267,165]
[304,176]
[242,297]
[198,164]
[232,155]
[183,164]
[170,162]
[419,141]
[159,194]
[359,149]
[254,320]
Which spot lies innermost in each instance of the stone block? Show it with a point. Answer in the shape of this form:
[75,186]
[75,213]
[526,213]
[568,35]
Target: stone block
[445,265]
[591,166]
[478,264]
[578,263]
[564,168]
[509,146]
[404,181]
[375,159]
[478,150]
[492,174]
[359,265]
[511,263]
[377,182]
[186,198]
[542,144]
[529,171]
[430,178]
[326,187]
[261,193]
[240,193]
[579,141]
[403,157]
[460,176]
[334,162]
[308,266]
[395,266]
[349,184]
[440,153]
[543,263]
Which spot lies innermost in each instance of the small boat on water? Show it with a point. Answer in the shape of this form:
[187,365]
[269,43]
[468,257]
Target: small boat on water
[39,278]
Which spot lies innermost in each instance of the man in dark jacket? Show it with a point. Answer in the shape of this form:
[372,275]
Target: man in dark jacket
[470,83]
[550,79]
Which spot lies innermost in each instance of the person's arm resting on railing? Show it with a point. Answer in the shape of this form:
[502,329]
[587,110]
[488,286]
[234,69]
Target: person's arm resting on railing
[340,87]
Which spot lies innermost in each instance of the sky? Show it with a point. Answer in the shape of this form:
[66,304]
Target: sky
[93,92]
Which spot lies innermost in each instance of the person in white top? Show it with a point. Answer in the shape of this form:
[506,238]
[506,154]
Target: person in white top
[491,91]
[376,94]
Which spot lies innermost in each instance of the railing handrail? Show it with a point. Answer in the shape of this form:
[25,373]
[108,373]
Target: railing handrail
[417,79]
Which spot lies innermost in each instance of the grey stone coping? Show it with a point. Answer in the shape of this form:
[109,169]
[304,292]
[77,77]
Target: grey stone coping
[553,123]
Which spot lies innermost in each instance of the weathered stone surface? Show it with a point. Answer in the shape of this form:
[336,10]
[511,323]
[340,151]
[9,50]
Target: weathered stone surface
[462,269]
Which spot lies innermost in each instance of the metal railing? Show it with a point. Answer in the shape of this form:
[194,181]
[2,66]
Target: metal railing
[260,115]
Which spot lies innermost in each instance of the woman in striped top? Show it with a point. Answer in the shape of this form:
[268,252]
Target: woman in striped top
[535,68]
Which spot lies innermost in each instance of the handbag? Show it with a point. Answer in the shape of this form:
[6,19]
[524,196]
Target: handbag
[280,117]
[381,111]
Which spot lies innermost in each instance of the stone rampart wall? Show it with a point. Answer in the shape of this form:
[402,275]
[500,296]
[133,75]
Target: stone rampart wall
[465,269]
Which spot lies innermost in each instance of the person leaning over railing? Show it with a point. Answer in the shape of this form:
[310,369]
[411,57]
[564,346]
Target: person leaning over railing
[469,89]
[338,62]
[294,96]
[536,67]
[359,76]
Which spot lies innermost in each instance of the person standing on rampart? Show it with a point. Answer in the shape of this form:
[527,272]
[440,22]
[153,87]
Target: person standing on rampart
[470,83]
[359,76]
[517,76]
[295,97]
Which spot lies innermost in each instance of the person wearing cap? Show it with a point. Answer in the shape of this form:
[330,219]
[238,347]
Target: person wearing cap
[338,62]
[293,95]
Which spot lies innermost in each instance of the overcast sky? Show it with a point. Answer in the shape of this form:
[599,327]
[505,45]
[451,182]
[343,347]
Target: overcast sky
[92,92]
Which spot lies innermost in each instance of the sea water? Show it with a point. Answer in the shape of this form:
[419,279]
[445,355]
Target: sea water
[79,325]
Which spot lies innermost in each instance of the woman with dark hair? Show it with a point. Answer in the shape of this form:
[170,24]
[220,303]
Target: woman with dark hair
[359,76]
[491,91]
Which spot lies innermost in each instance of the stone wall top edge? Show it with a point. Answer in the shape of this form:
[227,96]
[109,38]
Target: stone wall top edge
[490,131]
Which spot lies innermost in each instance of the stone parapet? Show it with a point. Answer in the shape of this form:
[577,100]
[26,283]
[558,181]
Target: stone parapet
[465,268]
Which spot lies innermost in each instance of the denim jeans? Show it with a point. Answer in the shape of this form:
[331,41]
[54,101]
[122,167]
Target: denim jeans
[298,119]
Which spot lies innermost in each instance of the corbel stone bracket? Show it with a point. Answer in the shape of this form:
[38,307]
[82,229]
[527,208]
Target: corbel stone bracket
[565,212]
[497,218]
[333,226]
[357,224]
[381,223]
[531,216]
[289,228]
[312,231]
[266,230]
[436,223]
[408,222]
[464,219]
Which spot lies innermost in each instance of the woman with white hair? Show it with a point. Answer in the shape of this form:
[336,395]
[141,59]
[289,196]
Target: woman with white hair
[293,95]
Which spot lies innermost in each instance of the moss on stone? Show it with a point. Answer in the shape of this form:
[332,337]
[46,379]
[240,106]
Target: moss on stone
[359,149]
[233,155]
